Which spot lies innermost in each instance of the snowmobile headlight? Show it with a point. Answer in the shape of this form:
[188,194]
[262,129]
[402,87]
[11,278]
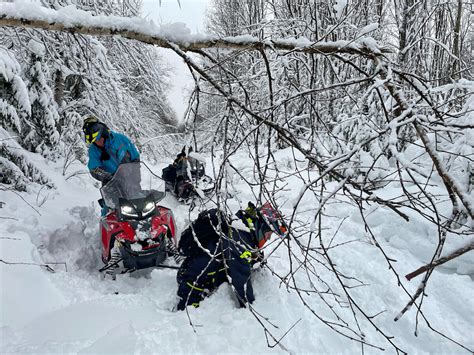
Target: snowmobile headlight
[127,210]
[149,207]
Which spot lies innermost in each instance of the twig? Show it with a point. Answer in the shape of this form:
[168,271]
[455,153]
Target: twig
[47,267]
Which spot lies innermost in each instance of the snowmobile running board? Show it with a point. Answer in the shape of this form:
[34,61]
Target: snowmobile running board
[108,266]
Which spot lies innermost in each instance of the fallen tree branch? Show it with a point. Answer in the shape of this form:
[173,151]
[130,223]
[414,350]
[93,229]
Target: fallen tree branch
[440,261]
[35,16]
[45,266]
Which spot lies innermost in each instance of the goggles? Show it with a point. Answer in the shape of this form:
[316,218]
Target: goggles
[91,138]
[92,132]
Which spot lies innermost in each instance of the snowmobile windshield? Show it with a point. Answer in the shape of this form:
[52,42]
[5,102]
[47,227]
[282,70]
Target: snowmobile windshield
[132,181]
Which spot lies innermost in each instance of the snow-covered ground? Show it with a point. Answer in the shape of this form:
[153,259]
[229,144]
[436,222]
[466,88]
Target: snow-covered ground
[75,311]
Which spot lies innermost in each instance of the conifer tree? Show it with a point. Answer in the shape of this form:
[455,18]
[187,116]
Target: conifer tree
[43,135]
[14,99]
[15,168]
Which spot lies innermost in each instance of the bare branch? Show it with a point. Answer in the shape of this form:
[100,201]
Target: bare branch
[440,261]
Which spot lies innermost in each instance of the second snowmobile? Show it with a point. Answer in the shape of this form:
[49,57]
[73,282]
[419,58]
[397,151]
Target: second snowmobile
[186,177]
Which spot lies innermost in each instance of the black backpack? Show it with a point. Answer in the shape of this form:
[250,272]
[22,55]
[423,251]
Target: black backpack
[169,174]
[206,229]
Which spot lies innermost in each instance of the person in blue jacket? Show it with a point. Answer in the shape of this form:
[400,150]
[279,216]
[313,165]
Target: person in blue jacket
[107,149]
[217,251]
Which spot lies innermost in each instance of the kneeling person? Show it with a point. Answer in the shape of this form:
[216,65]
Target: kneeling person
[216,251]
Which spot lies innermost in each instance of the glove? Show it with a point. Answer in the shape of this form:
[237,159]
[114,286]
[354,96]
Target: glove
[101,175]
[251,210]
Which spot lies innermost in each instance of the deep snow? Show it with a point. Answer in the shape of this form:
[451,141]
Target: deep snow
[75,311]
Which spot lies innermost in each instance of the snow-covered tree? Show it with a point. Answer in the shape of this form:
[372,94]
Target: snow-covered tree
[15,168]
[14,100]
[43,136]
[122,82]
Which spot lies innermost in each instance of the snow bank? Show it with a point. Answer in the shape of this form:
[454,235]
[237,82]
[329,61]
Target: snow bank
[27,291]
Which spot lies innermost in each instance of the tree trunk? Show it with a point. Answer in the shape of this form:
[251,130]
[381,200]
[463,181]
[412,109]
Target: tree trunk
[58,87]
[456,50]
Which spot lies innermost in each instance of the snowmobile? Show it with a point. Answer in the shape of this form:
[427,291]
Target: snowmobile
[137,232]
[186,178]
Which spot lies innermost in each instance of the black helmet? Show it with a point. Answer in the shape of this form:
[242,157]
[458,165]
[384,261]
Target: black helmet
[94,129]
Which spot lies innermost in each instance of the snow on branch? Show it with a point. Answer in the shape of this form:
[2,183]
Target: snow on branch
[73,20]
[452,185]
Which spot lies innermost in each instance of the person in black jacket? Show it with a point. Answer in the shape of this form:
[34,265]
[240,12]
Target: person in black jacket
[215,252]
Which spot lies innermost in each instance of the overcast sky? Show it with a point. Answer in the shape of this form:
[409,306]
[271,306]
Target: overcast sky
[192,13]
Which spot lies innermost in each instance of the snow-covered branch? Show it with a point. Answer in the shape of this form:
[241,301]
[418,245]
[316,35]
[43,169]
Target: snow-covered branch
[72,20]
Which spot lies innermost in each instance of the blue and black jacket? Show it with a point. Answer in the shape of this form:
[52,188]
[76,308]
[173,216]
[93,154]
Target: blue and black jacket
[223,254]
[104,162]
